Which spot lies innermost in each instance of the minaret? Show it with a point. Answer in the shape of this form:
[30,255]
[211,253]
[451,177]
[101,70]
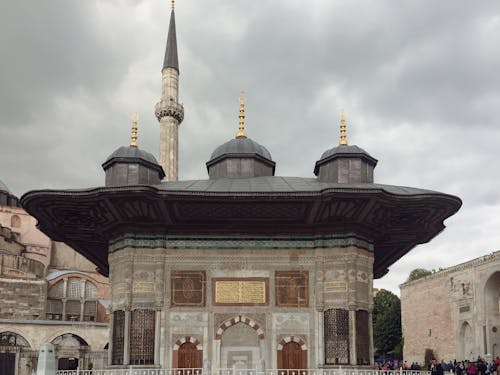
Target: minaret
[169,111]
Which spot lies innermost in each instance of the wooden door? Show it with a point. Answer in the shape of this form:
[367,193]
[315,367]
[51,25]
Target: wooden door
[189,356]
[292,357]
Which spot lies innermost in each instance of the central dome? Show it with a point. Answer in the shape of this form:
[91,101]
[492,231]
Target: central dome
[240,157]
[241,146]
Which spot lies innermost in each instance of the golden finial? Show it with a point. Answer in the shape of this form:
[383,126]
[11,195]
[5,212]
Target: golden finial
[343,135]
[173,4]
[241,129]
[133,141]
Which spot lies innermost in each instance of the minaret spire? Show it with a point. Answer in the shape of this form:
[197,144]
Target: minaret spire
[133,138]
[343,132]
[241,128]
[169,111]
[171,60]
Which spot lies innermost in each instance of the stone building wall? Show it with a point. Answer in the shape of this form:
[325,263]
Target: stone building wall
[461,305]
[22,299]
[426,318]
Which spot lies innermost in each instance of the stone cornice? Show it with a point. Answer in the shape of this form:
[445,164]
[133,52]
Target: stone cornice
[456,268]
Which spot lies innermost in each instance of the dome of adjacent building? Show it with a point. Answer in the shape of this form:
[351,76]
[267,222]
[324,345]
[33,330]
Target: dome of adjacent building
[6,197]
[4,187]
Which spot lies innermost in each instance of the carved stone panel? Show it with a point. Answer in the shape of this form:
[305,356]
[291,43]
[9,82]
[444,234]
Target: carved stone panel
[292,288]
[188,288]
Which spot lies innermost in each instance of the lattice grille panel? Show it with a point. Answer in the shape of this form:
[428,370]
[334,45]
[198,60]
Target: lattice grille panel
[362,338]
[336,336]
[118,337]
[142,337]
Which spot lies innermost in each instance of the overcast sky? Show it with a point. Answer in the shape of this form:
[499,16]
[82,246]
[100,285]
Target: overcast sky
[419,82]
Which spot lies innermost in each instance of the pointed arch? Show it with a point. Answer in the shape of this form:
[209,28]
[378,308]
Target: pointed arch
[239,319]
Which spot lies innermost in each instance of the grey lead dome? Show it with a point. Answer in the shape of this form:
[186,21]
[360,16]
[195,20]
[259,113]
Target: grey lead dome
[343,149]
[132,152]
[241,145]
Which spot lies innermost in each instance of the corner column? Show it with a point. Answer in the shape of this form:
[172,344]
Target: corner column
[126,339]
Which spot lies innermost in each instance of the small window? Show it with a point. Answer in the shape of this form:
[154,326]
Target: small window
[15,221]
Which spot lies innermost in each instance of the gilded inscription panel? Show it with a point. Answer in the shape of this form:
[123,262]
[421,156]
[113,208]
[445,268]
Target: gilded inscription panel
[142,287]
[188,288]
[292,288]
[240,291]
[335,287]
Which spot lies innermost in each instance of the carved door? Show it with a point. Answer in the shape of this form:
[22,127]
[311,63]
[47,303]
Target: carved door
[189,356]
[292,357]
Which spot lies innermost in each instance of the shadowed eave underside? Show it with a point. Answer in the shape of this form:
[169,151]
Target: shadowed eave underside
[393,218]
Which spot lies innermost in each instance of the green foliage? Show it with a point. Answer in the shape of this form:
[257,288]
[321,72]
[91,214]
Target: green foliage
[387,322]
[418,273]
[428,357]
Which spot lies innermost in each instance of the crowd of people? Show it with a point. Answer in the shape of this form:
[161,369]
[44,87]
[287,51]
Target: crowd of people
[478,367]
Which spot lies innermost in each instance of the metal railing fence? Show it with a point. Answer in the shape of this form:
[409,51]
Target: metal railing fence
[236,371]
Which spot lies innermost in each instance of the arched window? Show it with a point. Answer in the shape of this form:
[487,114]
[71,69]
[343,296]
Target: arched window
[78,300]
[12,339]
[15,221]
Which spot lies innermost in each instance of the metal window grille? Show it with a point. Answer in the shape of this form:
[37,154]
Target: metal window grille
[362,338]
[90,311]
[336,337]
[73,309]
[142,337]
[74,288]
[118,337]
[54,309]
[90,291]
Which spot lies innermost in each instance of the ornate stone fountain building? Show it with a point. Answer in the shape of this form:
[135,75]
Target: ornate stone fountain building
[244,269]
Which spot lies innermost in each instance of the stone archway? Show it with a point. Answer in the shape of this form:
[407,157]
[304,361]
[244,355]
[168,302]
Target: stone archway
[466,339]
[69,347]
[492,312]
[12,343]
[241,344]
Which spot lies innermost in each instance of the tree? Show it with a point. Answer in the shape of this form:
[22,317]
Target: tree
[418,273]
[386,322]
